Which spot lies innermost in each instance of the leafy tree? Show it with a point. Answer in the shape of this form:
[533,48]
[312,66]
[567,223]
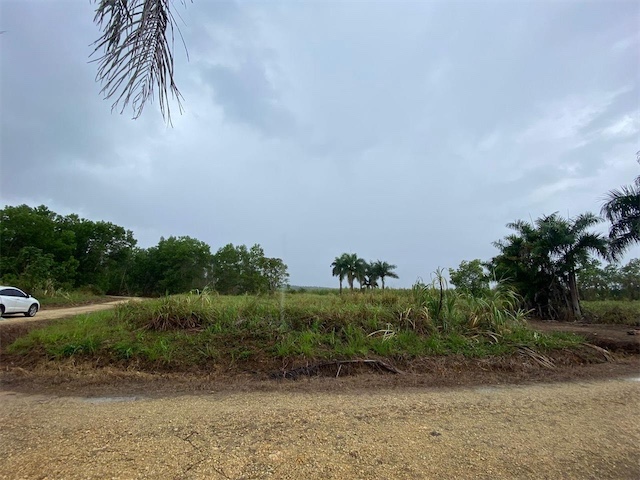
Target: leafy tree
[470,277]
[104,252]
[622,209]
[610,282]
[175,265]
[239,270]
[43,230]
[37,227]
[541,260]
[62,251]
[36,268]
[274,271]
[597,282]
[383,270]
[630,279]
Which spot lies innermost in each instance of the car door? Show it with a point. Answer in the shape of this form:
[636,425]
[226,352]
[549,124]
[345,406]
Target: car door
[21,299]
[8,300]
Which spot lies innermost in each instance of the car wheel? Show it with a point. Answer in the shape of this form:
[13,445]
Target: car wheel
[32,311]
[1,310]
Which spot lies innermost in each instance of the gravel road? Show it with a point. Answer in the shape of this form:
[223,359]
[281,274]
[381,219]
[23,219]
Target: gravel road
[580,430]
[54,313]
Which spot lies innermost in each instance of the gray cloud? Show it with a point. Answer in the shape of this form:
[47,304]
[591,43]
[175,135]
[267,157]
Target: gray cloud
[407,132]
[247,96]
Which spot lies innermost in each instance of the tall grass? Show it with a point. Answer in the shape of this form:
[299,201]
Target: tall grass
[436,307]
[625,312]
[196,329]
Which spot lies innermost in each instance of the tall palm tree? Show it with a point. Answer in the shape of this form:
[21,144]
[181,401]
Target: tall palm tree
[339,270]
[622,209]
[383,270]
[355,268]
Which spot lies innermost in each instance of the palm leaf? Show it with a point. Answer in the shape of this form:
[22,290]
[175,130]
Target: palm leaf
[136,53]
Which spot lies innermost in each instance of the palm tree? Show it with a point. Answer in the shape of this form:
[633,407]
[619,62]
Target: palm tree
[355,268]
[382,270]
[340,268]
[570,245]
[370,276]
[622,209]
[541,259]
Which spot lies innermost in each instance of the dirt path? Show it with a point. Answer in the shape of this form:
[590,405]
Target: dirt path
[55,313]
[577,430]
[612,337]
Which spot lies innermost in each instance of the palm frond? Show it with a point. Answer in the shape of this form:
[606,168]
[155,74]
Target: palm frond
[621,203]
[136,53]
[622,209]
[583,222]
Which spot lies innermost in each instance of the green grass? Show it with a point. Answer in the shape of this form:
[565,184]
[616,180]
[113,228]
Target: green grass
[188,331]
[625,312]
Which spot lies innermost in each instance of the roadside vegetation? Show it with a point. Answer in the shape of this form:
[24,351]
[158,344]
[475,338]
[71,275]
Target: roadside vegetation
[200,330]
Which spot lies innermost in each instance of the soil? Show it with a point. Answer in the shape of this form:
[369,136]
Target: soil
[571,414]
[578,430]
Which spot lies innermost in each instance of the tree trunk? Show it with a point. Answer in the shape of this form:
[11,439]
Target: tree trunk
[382,280]
[340,286]
[350,280]
[573,292]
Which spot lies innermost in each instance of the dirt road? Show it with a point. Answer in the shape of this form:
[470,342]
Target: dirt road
[54,313]
[577,430]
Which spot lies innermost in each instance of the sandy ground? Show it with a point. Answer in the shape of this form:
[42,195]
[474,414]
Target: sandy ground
[354,428]
[579,430]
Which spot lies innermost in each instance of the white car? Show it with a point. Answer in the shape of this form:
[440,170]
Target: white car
[14,300]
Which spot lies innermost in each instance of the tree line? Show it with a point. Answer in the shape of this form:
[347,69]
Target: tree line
[42,251]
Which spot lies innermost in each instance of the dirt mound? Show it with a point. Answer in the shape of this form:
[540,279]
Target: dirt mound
[10,332]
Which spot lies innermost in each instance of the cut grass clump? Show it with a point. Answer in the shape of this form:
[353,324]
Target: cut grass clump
[182,312]
[195,331]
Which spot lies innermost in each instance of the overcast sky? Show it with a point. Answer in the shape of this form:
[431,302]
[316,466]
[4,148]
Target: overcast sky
[410,132]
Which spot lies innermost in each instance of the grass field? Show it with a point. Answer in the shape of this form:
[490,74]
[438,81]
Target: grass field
[624,312]
[189,331]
